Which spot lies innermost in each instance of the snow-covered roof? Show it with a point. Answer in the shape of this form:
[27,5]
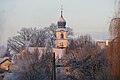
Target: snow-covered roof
[58,52]
[3,59]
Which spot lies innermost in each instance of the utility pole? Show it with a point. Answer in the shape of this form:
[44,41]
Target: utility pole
[54,67]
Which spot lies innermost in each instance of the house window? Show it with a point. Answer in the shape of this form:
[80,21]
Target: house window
[62,36]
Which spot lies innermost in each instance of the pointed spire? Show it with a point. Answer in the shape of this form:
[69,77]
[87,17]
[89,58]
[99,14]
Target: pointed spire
[61,10]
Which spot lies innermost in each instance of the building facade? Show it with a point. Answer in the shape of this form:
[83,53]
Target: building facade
[102,43]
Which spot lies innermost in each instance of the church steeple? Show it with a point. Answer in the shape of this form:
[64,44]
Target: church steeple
[61,22]
[61,32]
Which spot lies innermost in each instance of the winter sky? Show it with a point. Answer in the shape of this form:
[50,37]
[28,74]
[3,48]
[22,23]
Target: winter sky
[83,16]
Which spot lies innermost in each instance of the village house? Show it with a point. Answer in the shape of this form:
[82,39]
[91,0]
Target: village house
[5,63]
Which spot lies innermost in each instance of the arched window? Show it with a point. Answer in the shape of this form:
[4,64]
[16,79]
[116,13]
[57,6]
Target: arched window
[62,36]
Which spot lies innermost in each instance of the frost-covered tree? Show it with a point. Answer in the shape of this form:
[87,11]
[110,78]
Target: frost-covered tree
[31,66]
[86,60]
[34,37]
[114,45]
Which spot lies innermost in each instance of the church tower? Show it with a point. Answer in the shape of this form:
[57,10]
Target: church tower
[61,33]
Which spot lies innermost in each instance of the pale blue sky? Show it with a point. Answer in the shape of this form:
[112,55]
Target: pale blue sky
[83,16]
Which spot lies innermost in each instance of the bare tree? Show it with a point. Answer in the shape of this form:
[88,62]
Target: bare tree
[31,66]
[34,37]
[114,45]
[86,59]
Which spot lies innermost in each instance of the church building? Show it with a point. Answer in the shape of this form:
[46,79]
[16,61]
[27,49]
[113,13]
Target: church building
[61,33]
[61,41]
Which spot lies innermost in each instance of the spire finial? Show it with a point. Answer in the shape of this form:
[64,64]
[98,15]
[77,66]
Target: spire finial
[61,10]
[61,21]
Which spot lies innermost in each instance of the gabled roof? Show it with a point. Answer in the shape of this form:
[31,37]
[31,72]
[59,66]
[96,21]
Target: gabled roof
[4,59]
